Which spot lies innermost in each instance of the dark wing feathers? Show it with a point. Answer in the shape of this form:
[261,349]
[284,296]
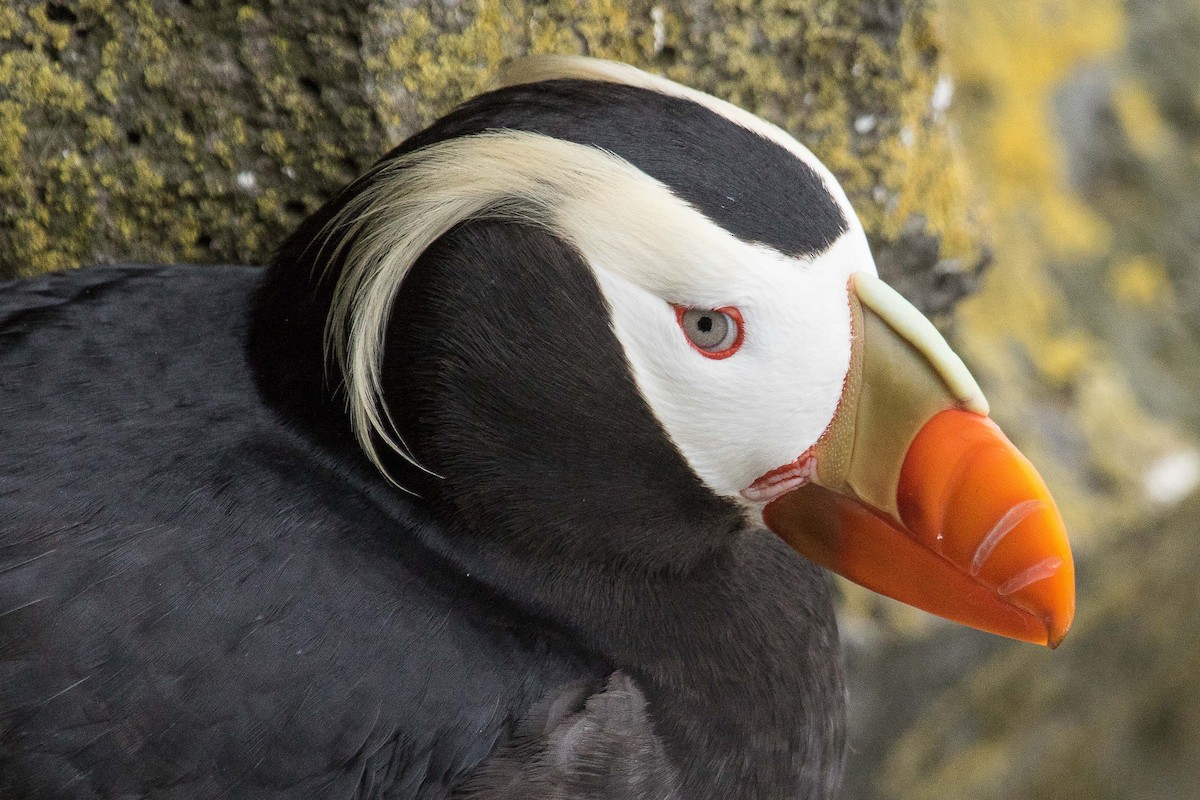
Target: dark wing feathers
[197,601]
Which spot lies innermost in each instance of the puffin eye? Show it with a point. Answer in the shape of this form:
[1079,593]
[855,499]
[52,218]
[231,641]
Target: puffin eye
[716,333]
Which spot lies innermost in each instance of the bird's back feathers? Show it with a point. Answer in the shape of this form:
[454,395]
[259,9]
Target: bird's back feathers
[195,600]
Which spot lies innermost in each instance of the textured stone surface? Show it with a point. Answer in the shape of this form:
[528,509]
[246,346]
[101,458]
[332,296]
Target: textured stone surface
[1081,124]
[166,130]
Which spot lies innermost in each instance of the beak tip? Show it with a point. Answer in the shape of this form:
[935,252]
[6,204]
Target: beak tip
[1058,626]
[1055,636]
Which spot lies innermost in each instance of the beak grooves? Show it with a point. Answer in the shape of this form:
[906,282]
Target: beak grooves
[969,495]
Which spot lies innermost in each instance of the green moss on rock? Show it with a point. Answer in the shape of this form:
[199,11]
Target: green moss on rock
[163,131]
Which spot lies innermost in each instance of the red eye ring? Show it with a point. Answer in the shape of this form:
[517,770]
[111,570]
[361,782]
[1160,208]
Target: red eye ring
[716,355]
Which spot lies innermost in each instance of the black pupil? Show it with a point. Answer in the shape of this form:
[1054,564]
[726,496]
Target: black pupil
[705,324]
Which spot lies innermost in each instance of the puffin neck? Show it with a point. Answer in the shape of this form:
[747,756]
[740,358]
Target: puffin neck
[738,655]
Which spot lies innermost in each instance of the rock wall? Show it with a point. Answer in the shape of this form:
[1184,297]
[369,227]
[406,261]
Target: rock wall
[1079,118]
[186,130]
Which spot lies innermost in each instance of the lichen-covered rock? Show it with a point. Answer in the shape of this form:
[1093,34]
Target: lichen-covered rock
[1082,140]
[1081,125]
[167,130]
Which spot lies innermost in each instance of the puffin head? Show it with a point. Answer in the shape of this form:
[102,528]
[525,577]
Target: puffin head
[613,318]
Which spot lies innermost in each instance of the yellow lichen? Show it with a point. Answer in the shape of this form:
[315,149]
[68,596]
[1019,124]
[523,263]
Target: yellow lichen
[1139,117]
[444,68]
[1141,281]
[1021,334]
[10,23]
[1012,56]
[160,109]
[54,34]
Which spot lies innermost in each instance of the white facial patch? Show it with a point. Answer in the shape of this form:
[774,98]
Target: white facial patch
[737,418]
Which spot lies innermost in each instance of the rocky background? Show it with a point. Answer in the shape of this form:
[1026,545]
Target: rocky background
[1079,123]
[1057,141]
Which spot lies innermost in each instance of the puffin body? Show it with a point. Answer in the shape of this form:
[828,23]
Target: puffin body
[509,477]
[198,601]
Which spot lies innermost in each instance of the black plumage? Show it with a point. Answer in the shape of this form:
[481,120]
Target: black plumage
[207,590]
[197,600]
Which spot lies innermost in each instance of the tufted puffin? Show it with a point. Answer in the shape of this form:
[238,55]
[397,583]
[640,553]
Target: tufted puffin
[515,474]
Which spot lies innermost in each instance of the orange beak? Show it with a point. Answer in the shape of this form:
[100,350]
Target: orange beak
[917,495]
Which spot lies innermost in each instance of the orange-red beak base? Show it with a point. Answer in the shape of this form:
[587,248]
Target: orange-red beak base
[979,539]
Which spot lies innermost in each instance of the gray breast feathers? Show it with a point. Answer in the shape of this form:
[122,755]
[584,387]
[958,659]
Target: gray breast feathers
[575,744]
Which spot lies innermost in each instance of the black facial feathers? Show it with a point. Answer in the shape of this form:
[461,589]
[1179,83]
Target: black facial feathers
[503,372]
